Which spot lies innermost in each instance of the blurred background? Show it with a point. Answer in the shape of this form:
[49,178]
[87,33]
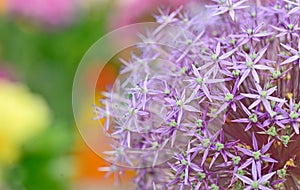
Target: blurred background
[41,45]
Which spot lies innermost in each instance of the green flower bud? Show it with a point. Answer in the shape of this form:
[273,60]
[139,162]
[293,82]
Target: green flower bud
[184,162]
[236,73]
[236,160]
[254,184]
[285,139]
[205,142]
[214,57]
[281,173]
[199,80]
[249,64]
[172,123]
[199,123]
[241,172]
[214,187]
[253,118]
[276,74]
[201,176]
[294,115]
[219,146]
[263,94]
[228,97]
[272,131]
[256,155]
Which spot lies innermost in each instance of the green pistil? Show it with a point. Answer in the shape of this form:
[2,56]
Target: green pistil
[199,123]
[228,97]
[253,14]
[272,131]
[247,47]
[253,118]
[281,173]
[254,184]
[219,146]
[298,53]
[296,107]
[249,64]
[184,162]
[232,41]
[267,184]
[239,185]
[199,80]
[241,172]
[256,155]
[290,26]
[249,31]
[201,176]
[132,111]
[253,55]
[276,74]
[155,145]
[214,187]
[179,103]
[273,113]
[277,7]
[263,94]
[236,160]
[288,6]
[185,20]
[199,132]
[183,70]
[273,104]
[236,73]
[147,128]
[188,42]
[285,139]
[144,90]
[172,123]
[214,57]
[205,142]
[181,177]
[294,115]
[167,92]
[130,96]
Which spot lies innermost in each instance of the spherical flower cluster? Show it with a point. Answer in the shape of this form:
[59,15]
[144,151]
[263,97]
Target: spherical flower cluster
[211,103]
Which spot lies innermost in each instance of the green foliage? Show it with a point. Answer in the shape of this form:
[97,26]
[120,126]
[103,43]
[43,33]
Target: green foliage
[46,61]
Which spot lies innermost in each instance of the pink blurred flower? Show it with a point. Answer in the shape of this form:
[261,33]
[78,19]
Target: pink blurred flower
[6,74]
[136,10]
[50,12]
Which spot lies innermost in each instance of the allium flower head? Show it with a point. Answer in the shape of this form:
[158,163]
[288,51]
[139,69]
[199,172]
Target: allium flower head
[222,100]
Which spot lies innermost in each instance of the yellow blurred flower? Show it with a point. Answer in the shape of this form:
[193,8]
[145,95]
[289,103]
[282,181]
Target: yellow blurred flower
[22,116]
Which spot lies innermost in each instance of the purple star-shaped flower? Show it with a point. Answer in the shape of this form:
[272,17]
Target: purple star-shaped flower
[257,156]
[256,183]
[263,96]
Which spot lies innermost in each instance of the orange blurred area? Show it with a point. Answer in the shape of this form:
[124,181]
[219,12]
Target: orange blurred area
[88,161]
